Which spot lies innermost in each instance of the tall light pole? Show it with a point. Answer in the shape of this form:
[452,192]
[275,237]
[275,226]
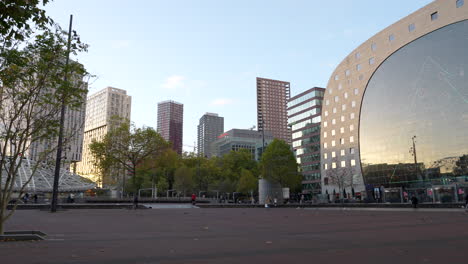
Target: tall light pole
[58,160]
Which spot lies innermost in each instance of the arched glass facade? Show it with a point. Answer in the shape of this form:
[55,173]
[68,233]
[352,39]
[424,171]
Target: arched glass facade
[420,94]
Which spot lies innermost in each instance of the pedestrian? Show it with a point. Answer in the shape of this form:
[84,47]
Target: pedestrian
[26,198]
[35,198]
[194,198]
[414,201]
[275,201]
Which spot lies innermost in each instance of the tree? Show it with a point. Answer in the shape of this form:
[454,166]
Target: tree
[128,147]
[279,165]
[183,179]
[31,89]
[341,177]
[247,182]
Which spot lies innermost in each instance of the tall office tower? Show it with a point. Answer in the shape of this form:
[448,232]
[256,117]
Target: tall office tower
[101,107]
[304,116]
[210,127]
[272,98]
[73,138]
[170,123]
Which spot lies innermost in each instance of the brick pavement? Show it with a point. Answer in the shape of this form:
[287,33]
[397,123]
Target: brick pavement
[244,235]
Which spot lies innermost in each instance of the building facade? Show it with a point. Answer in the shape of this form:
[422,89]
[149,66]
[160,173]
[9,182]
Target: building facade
[171,123]
[209,128]
[237,139]
[73,138]
[304,118]
[272,99]
[395,117]
[102,108]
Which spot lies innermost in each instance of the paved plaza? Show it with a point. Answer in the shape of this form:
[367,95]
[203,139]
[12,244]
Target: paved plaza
[243,235]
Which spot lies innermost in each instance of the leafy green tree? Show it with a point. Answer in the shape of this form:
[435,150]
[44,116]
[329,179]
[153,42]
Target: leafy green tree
[32,86]
[279,165]
[166,164]
[130,148]
[183,179]
[247,182]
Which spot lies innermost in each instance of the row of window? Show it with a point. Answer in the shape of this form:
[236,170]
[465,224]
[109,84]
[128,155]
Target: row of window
[343,119]
[336,99]
[343,108]
[300,108]
[391,38]
[342,142]
[342,164]
[315,120]
[305,98]
[342,130]
[309,113]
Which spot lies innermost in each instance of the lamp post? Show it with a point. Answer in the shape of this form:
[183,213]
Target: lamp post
[58,160]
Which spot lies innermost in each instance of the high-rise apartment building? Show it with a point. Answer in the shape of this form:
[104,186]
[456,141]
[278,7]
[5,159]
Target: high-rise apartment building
[210,127]
[101,107]
[304,116]
[73,138]
[170,123]
[272,98]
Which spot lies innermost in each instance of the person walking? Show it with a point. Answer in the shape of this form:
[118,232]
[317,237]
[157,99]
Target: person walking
[466,202]
[35,198]
[194,198]
[414,201]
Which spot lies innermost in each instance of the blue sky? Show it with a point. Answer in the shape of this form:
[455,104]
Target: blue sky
[207,53]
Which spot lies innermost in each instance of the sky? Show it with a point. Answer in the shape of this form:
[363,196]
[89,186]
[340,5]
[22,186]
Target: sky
[206,54]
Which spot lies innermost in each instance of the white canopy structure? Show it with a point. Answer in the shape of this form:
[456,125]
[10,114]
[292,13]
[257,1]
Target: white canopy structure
[43,179]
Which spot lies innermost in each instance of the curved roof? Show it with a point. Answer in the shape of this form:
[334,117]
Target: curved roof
[43,179]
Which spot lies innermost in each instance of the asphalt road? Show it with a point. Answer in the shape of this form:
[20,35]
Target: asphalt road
[257,235]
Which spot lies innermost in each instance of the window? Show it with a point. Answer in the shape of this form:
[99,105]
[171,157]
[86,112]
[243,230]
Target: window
[351,127]
[343,163]
[345,95]
[337,99]
[460,3]
[357,55]
[333,165]
[358,67]
[361,77]
[327,102]
[411,27]
[351,116]
[334,110]
[343,118]
[342,130]
[343,107]
[351,139]
[356,91]
[391,37]
[325,155]
[333,132]
[347,72]
[326,113]
[333,143]
[330,91]
[353,104]
[342,152]
[351,150]
[353,163]
[333,154]
[325,166]
[341,141]
[371,61]
[373,46]
[325,124]
[434,16]
[337,77]
[325,145]
[340,86]
[325,134]
[333,121]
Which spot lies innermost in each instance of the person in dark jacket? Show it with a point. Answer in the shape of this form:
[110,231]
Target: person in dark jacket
[414,201]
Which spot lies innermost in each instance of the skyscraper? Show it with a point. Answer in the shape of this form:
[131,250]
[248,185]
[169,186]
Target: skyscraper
[210,127]
[170,123]
[272,98]
[304,116]
[100,108]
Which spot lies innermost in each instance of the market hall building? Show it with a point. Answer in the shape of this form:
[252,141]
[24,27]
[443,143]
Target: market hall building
[395,112]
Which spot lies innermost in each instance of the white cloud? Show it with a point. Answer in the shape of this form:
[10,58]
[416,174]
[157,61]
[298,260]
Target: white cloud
[221,101]
[174,82]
